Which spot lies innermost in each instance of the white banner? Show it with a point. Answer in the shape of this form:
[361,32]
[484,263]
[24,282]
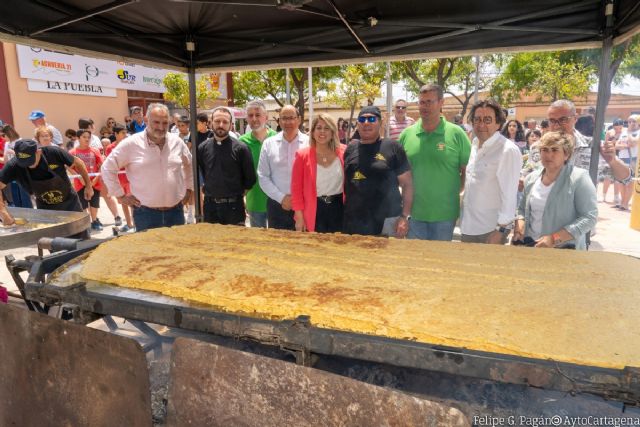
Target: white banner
[70,88]
[48,65]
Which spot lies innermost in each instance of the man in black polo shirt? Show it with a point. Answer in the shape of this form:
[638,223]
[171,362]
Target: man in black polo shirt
[41,172]
[227,167]
[374,168]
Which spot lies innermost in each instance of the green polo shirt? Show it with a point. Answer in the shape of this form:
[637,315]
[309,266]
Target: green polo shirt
[436,158]
[256,199]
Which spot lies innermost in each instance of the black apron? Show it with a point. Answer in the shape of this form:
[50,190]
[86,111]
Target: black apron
[54,193]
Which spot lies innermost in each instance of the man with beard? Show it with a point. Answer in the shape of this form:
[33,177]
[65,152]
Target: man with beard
[158,166]
[256,199]
[227,167]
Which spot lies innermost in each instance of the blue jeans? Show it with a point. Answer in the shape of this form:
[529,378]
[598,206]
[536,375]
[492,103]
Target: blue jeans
[258,219]
[146,218]
[439,230]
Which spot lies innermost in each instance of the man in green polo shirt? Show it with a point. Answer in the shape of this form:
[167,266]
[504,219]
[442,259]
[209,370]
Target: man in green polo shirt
[256,199]
[438,152]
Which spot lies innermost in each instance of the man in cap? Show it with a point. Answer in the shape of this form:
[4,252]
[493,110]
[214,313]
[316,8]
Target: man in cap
[41,172]
[137,121]
[374,168]
[37,117]
[438,152]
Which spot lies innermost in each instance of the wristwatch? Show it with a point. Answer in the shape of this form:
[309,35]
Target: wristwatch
[502,229]
[407,217]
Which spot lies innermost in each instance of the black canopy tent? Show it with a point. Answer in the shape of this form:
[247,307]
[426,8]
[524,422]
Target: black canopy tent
[224,35]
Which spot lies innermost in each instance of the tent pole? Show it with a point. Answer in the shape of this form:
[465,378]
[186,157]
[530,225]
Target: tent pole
[475,94]
[193,128]
[287,87]
[310,71]
[604,87]
[389,99]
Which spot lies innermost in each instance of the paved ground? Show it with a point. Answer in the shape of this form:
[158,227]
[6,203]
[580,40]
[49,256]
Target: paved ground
[613,234]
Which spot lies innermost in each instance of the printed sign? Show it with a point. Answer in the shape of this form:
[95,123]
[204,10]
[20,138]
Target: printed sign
[49,65]
[70,88]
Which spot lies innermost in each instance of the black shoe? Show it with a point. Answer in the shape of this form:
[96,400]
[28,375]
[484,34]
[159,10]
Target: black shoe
[118,221]
[98,222]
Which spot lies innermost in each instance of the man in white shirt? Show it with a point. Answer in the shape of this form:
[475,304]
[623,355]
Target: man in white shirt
[158,166]
[491,184]
[275,165]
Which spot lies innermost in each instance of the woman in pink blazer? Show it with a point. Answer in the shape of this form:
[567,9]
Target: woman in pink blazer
[317,179]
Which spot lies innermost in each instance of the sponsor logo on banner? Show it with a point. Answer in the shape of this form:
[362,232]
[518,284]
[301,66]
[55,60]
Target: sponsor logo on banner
[156,81]
[49,67]
[92,72]
[126,77]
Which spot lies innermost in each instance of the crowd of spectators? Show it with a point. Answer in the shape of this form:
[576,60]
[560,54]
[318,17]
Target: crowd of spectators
[523,180]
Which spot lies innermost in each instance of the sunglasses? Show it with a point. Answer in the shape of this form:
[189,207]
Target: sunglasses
[370,119]
[401,107]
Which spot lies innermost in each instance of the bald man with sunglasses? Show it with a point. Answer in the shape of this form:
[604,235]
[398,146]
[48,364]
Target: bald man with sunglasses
[374,168]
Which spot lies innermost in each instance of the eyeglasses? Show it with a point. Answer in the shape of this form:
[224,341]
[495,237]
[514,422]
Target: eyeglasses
[288,118]
[401,107]
[127,121]
[370,119]
[561,121]
[549,149]
[487,120]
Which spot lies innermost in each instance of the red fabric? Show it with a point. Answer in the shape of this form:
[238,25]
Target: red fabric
[2,144]
[92,160]
[4,296]
[303,184]
[122,177]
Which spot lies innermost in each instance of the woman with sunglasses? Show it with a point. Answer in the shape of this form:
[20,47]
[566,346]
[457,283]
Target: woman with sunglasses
[317,179]
[559,206]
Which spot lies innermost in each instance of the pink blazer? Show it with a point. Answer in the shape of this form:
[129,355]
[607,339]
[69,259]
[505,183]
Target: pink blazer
[303,183]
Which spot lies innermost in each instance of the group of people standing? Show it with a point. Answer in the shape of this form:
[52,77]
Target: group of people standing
[411,186]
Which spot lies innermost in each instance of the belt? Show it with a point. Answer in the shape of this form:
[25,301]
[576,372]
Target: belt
[162,209]
[224,199]
[330,199]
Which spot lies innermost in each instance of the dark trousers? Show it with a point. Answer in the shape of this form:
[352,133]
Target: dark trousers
[146,218]
[278,217]
[228,211]
[329,212]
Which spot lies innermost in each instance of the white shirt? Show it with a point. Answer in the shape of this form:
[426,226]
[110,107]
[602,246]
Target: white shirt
[329,180]
[537,201]
[158,178]
[491,185]
[276,163]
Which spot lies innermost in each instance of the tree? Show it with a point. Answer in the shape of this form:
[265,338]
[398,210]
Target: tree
[547,75]
[249,85]
[455,75]
[358,84]
[565,74]
[178,90]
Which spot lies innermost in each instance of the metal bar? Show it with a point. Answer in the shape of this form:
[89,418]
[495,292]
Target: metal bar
[298,334]
[98,22]
[287,84]
[389,99]
[476,89]
[82,16]
[420,24]
[194,152]
[627,16]
[310,78]
[601,107]
[348,25]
